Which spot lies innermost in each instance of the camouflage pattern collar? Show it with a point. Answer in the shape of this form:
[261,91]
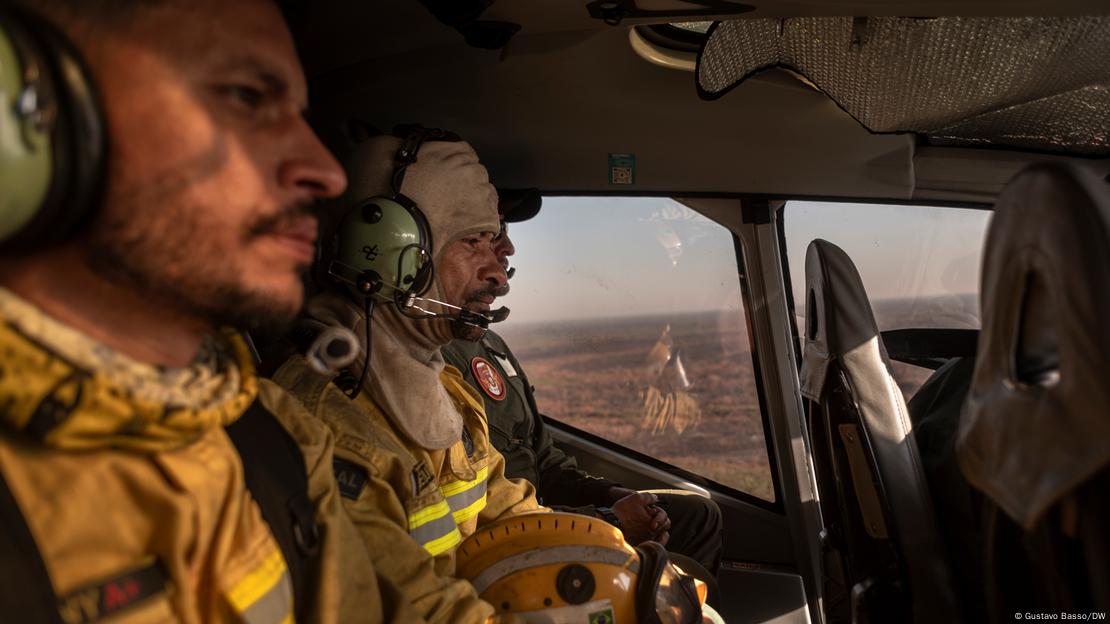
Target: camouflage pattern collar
[71,392]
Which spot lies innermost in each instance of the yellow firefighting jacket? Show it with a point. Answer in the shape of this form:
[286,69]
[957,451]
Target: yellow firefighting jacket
[347,589]
[134,494]
[413,506]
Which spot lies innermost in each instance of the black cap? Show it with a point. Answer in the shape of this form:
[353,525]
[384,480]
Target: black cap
[517,205]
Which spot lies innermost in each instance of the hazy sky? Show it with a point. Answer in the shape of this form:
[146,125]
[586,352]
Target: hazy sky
[900,251]
[589,257]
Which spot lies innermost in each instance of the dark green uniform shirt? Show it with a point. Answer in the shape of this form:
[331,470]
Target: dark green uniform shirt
[517,430]
[516,427]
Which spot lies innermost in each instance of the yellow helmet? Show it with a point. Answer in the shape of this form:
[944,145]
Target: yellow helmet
[567,568]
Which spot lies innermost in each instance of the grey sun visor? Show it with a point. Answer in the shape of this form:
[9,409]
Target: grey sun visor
[1037,83]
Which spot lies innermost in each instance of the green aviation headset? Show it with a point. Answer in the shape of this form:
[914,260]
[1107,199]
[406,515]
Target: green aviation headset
[52,143]
[382,252]
[382,249]
[383,245]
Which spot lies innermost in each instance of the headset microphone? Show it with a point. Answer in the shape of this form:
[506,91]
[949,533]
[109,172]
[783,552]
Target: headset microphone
[498,315]
[464,315]
[483,319]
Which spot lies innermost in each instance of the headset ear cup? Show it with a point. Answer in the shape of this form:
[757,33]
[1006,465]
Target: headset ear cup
[423,280]
[369,283]
[77,135]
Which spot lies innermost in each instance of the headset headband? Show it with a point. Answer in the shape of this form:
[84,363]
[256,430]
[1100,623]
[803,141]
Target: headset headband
[412,137]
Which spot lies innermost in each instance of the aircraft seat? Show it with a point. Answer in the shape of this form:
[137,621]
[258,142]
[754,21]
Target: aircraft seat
[884,555]
[1034,434]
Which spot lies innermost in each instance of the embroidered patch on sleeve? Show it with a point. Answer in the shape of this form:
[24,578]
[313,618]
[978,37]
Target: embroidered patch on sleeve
[97,601]
[350,476]
[489,380]
[422,477]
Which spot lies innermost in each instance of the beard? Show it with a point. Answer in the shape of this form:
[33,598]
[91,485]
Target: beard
[173,259]
[466,331]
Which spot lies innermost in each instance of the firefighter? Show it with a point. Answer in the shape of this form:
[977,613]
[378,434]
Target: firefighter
[157,183]
[686,523]
[410,267]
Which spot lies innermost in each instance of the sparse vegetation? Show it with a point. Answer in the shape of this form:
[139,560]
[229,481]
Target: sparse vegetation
[595,375]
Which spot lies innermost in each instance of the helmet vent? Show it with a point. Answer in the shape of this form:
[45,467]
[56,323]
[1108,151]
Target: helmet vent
[575,584]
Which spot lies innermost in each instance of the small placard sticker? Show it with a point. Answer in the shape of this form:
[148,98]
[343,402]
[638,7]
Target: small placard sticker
[622,168]
[605,616]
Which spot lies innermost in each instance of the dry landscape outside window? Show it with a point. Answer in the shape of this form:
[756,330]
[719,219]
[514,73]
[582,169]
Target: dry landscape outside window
[626,315]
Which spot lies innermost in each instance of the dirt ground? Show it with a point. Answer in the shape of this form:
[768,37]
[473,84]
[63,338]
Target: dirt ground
[622,379]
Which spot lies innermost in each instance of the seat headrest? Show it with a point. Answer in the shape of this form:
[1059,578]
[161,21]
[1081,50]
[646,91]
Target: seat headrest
[1037,419]
[838,315]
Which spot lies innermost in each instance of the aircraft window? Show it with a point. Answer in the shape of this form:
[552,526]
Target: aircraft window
[919,264]
[627,316]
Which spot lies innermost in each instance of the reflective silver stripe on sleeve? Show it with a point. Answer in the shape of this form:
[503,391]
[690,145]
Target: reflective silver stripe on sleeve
[466,498]
[433,529]
[556,554]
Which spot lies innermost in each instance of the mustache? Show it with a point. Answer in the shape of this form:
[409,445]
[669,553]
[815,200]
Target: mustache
[475,295]
[268,224]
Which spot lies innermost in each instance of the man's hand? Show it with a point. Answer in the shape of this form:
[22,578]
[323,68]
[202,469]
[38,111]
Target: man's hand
[616,493]
[641,520]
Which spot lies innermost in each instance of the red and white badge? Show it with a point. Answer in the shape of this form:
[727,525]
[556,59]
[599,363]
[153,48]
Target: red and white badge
[488,378]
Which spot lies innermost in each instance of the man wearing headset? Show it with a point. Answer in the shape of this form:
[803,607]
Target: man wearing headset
[685,523]
[122,493]
[411,267]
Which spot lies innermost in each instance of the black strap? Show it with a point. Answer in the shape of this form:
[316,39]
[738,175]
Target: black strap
[26,593]
[412,137]
[274,469]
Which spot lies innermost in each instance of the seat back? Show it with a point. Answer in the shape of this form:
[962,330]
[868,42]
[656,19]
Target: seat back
[884,552]
[1035,431]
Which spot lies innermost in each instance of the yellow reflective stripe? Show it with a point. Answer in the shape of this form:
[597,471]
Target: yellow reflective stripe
[258,583]
[436,526]
[471,510]
[443,544]
[459,486]
[427,514]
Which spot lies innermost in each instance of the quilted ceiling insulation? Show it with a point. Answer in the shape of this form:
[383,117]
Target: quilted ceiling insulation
[1037,83]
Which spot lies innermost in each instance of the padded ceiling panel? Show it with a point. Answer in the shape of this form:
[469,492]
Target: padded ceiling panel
[549,114]
[547,110]
[1028,83]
